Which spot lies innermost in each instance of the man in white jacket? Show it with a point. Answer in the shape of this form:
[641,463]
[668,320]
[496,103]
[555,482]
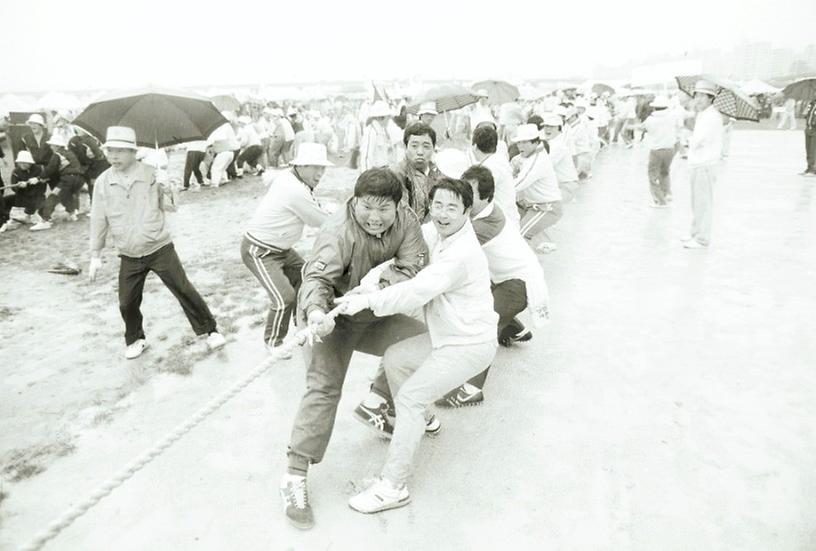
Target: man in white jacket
[565,173]
[454,290]
[705,149]
[662,130]
[483,151]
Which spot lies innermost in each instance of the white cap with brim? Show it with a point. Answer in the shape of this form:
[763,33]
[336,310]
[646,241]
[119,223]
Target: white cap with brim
[428,108]
[311,154]
[706,87]
[36,118]
[551,119]
[526,133]
[451,162]
[24,157]
[57,140]
[120,137]
[660,102]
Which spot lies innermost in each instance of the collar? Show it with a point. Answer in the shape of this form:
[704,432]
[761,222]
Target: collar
[488,210]
[445,242]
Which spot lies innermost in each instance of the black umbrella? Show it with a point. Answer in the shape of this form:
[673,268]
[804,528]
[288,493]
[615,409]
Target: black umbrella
[803,89]
[160,116]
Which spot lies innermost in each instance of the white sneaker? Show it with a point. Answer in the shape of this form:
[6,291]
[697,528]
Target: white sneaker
[10,226]
[35,219]
[73,217]
[694,244]
[280,352]
[380,496]
[546,247]
[39,226]
[215,340]
[656,205]
[18,215]
[135,350]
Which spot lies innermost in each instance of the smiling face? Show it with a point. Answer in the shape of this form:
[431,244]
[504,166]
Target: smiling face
[551,131]
[527,147]
[448,212]
[374,214]
[419,151]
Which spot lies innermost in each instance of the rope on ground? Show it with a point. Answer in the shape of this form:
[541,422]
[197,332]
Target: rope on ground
[67,518]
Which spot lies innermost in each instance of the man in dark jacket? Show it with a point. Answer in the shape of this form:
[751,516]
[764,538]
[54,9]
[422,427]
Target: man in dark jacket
[90,156]
[65,178]
[417,172]
[373,228]
[36,141]
[810,138]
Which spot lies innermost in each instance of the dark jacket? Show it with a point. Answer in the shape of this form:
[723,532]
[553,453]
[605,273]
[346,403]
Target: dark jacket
[343,253]
[56,168]
[89,154]
[810,117]
[416,186]
[41,152]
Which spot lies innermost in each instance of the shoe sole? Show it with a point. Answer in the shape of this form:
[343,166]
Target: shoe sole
[398,504]
[300,525]
[382,434]
[448,405]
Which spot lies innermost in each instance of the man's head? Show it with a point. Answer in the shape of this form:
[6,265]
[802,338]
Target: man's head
[377,193]
[24,160]
[36,123]
[482,95]
[420,140]
[481,182]
[527,139]
[120,147]
[536,120]
[485,138]
[450,203]
[551,125]
[310,163]
[427,112]
[704,94]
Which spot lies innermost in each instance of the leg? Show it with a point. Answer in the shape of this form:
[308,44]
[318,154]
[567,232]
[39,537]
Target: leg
[654,177]
[166,264]
[665,172]
[188,169]
[538,219]
[417,386]
[810,150]
[132,274]
[702,179]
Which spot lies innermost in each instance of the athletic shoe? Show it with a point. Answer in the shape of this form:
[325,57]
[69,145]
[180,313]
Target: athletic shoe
[295,496]
[40,226]
[810,175]
[278,352]
[35,219]
[669,197]
[73,217]
[135,350]
[806,172]
[522,336]
[694,244]
[546,247]
[215,340]
[375,418]
[432,425]
[20,216]
[459,397]
[380,496]
[656,205]
[10,225]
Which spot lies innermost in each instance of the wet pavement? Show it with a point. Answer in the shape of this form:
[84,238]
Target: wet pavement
[668,405]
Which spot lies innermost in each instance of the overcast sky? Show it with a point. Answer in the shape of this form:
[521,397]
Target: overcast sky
[54,44]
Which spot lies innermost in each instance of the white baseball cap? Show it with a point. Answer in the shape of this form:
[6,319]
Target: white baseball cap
[526,133]
[428,108]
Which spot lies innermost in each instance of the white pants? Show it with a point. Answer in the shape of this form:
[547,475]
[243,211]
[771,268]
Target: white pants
[218,171]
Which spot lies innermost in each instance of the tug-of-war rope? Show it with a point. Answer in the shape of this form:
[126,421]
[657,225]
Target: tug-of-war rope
[67,518]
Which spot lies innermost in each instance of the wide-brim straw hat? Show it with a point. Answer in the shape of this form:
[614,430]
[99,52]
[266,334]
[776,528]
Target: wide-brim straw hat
[311,154]
[526,133]
[121,137]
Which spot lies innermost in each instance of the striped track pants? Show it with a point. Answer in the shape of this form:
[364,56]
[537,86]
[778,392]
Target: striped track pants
[279,273]
[538,217]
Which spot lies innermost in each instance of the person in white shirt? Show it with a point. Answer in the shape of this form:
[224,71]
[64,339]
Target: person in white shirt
[705,148]
[196,151]
[454,292]
[537,193]
[376,149]
[483,151]
[224,142]
[517,280]
[276,226]
[662,128]
[581,139]
[249,160]
[480,111]
[564,166]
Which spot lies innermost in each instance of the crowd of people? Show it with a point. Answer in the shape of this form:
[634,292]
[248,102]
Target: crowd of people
[431,264]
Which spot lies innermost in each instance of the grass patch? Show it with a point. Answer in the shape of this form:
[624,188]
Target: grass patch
[27,462]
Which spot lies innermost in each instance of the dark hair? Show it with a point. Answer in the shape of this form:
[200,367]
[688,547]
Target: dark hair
[419,129]
[458,187]
[484,180]
[379,182]
[536,120]
[485,138]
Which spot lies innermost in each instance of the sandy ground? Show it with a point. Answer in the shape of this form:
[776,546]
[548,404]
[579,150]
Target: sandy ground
[667,406]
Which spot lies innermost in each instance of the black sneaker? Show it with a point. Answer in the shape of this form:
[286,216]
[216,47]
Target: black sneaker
[376,419]
[522,336]
[459,397]
[295,496]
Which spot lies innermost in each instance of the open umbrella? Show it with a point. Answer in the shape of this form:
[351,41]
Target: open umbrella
[730,100]
[160,116]
[802,89]
[600,88]
[447,97]
[226,102]
[498,91]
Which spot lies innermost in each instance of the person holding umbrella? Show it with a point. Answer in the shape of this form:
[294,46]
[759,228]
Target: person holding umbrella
[705,149]
[129,204]
[810,137]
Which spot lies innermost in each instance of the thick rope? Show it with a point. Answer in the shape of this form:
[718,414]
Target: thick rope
[67,518]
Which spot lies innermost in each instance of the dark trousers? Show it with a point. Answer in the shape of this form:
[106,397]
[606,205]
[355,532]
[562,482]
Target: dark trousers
[232,167]
[810,151]
[660,161]
[251,155]
[279,273]
[164,263]
[30,197]
[191,166]
[67,194]
[327,363]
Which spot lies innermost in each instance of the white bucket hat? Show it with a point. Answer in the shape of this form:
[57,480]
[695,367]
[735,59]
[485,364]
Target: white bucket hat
[451,162]
[121,137]
[36,118]
[57,140]
[526,133]
[706,87]
[379,109]
[551,119]
[660,102]
[428,108]
[24,157]
[311,154]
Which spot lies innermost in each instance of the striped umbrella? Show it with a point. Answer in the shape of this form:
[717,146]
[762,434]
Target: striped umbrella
[448,97]
[730,100]
[498,91]
[803,89]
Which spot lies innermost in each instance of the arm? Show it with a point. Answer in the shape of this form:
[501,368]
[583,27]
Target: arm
[99,221]
[411,255]
[329,259]
[305,208]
